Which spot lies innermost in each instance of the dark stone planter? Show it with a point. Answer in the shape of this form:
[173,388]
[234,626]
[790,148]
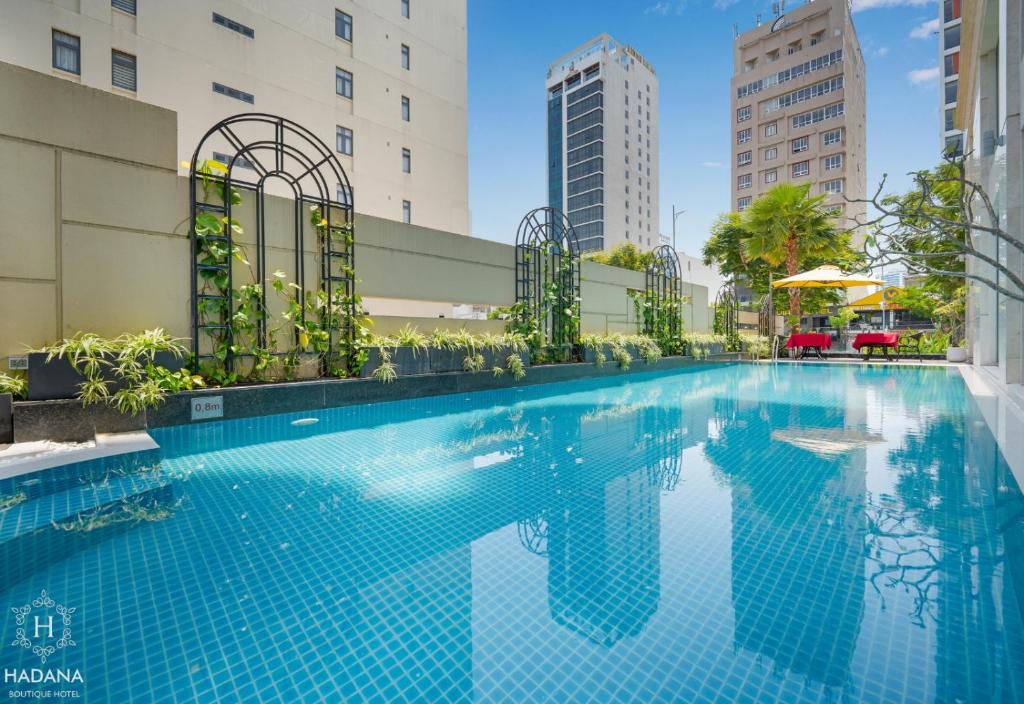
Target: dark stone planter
[406,360]
[6,418]
[58,379]
[590,355]
[452,360]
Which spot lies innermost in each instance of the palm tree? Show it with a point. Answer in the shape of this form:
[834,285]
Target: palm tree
[787,226]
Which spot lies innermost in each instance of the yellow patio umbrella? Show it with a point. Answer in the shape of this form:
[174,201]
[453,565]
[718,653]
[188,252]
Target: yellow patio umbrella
[826,276]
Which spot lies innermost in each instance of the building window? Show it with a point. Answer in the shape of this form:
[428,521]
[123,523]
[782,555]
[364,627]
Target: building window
[743,114]
[67,52]
[345,195]
[229,160]
[743,158]
[743,136]
[819,115]
[771,129]
[789,74]
[833,186]
[234,26]
[833,162]
[123,72]
[124,6]
[406,161]
[950,119]
[951,90]
[800,144]
[743,203]
[951,37]
[343,25]
[771,176]
[952,64]
[832,137]
[405,57]
[407,212]
[950,10]
[771,153]
[406,109]
[343,82]
[405,8]
[804,94]
[344,140]
[233,93]
[801,168]
[744,181]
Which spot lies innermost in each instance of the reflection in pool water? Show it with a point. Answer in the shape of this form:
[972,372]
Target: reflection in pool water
[741,532]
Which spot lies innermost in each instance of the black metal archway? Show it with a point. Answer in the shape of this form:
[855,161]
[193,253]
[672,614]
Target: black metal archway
[663,295]
[548,277]
[727,311]
[240,155]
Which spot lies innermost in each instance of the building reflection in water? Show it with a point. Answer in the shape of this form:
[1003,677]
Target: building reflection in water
[600,523]
[797,474]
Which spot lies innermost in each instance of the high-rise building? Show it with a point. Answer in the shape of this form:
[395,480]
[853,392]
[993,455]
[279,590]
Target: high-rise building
[949,74]
[382,81]
[603,144]
[798,107]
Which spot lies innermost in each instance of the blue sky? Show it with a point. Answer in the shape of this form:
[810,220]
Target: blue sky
[689,42]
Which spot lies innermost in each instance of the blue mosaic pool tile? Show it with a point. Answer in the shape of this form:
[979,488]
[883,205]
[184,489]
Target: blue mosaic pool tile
[745,533]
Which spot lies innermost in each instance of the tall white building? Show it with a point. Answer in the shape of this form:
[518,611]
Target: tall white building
[603,144]
[383,81]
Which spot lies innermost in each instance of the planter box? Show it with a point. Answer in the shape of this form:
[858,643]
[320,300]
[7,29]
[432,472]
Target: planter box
[405,361]
[452,360]
[6,418]
[58,379]
[590,355]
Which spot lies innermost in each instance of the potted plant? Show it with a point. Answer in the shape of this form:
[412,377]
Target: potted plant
[404,354]
[11,387]
[956,353]
[85,362]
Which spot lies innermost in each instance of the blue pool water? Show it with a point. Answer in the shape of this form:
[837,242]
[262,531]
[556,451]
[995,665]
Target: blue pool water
[740,533]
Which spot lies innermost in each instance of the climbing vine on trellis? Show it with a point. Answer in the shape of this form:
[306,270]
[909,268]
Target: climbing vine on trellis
[547,308]
[235,333]
[660,309]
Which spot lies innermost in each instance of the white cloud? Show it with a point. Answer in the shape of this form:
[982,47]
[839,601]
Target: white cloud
[666,7]
[925,30]
[859,5]
[924,75]
[724,4]
[880,53]
[711,164]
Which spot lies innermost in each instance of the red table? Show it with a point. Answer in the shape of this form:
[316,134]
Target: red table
[816,341]
[877,341]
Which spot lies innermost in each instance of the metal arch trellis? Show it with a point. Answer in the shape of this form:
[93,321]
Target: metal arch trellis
[273,148]
[548,279]
[663,296]
[727,312]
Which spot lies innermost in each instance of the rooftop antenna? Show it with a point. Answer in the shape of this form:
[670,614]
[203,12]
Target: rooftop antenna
[735,29]
[775,9]
[759,19]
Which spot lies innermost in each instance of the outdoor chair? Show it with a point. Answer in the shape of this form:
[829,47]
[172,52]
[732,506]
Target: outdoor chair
[910,345]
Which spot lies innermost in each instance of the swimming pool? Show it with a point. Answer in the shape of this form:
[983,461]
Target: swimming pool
[742,532]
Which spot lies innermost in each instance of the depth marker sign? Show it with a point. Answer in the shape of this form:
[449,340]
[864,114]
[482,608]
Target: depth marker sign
[206,407]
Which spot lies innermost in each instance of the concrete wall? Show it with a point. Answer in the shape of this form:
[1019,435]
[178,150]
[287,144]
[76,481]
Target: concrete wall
[93,231]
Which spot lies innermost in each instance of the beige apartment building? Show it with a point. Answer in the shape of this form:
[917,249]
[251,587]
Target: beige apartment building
[798,107]
[383,82]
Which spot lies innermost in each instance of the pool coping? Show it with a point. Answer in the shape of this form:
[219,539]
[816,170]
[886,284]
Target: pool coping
[68,420]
